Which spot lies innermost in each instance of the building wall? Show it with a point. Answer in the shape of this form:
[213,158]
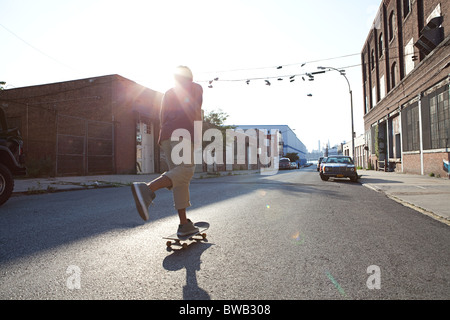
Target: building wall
[85,126]
[133,104]
[359,157]
[400,76]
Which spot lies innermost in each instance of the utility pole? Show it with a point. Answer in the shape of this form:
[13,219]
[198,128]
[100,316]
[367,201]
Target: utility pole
[342,73]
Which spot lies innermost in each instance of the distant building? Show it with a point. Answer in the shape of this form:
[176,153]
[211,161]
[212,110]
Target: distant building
[334,151]
[360,156]
[289,142]
[99,125]
[406,67]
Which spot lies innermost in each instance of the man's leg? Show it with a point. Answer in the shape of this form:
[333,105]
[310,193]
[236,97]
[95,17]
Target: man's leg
[160,183]
[182,216]
[181,199]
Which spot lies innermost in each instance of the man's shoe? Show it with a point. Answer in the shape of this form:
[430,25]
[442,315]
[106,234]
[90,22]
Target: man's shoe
[143,197]
[186,229]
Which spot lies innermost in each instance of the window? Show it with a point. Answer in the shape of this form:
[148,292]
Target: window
[409,53]
[439,120]
[410,128]
[406,7]
[374,96]
[393,74]
[372,59]
[391,25]
[382,87]
[380,45]
[366,105]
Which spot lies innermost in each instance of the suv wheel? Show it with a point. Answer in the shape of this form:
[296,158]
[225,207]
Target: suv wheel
[6,184]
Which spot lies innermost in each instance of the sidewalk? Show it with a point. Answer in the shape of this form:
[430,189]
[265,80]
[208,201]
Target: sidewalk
[45,185]
[426,194]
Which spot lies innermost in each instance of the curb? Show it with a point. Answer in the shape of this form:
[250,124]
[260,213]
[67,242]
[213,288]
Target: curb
[70,187]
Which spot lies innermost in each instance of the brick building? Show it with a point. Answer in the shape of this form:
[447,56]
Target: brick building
[406,76]
[100,125]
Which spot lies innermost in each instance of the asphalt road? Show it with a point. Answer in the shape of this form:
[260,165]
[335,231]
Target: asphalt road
[288,236]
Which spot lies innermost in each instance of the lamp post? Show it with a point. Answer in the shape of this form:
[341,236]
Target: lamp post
[342,73]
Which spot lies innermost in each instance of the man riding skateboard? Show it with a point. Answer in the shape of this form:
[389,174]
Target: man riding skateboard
[180,107]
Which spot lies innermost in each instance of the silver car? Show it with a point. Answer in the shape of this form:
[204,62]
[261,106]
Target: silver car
[339,167]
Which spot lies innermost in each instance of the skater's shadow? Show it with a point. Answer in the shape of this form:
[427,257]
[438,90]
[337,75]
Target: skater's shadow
[189,258]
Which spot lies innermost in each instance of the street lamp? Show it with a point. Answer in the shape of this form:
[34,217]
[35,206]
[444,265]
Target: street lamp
[342,73]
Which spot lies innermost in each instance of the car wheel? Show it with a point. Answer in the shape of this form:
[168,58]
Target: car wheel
[354,179]
[324,178]
[6,184]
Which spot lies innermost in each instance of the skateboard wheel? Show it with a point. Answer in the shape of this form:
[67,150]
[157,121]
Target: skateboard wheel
[169,244]
[184,245]
[204,235]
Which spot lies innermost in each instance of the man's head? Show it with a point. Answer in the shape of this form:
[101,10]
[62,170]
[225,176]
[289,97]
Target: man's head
[183,75]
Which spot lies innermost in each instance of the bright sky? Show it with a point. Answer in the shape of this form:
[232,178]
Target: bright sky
[49,41]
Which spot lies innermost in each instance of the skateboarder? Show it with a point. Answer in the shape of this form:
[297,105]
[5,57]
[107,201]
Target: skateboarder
[180,107]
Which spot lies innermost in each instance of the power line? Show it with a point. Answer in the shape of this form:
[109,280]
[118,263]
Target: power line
[280,66]
[291,77]
[35,48]
[294,75]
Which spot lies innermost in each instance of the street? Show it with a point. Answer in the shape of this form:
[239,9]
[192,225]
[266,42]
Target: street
[287,236]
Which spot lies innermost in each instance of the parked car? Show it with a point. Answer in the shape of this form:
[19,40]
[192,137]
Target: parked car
[284,164]
[318,163]
[339,167]
[294,165]
[324,160]
[11,157]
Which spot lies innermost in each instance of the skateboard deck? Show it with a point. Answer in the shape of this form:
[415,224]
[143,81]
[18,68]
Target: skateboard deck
[177,240]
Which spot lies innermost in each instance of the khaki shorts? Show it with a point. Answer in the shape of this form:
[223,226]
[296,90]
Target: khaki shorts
[180,175]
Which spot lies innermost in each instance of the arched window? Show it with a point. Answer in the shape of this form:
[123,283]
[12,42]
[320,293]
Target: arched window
[406,7]
[380,46]
[391,25]
[393,74]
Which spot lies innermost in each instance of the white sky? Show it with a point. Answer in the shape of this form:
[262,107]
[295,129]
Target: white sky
[45,41]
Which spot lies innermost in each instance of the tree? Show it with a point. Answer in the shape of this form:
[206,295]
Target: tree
[215,120]
[2,83]
[293,156]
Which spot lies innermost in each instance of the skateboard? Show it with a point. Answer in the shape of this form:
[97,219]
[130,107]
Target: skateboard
[176,240]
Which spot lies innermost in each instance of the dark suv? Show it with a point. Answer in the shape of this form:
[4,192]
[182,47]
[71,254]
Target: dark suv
[11,157]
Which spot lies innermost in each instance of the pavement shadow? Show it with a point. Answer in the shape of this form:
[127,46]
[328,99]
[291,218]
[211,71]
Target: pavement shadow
[367,179]
[189,259]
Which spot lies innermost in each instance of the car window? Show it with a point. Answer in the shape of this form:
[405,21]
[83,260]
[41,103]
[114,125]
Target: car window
[343,160]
